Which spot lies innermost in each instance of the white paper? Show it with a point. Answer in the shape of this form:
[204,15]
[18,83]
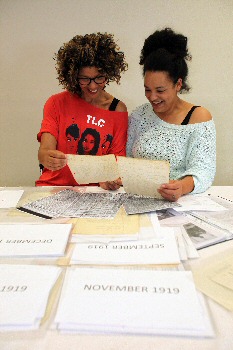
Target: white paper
[189,246]
[34,240]
[150,252]
[131,301]
[198,202]
[24,292]
[10,198]
[181,245]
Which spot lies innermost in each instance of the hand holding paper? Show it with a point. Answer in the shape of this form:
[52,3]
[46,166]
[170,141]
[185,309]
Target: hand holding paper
[139,176]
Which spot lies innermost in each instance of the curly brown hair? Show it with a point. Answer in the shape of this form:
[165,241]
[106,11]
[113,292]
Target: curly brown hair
[91,50]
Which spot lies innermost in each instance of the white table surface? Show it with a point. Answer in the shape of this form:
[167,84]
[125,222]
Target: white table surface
[45,339]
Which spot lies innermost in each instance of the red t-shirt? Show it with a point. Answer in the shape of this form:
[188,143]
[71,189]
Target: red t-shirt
[80,128]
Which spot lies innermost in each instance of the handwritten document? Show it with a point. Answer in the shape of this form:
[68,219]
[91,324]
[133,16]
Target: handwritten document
[139,176]
[135,301]
[142,176]
[93,169]
[121,224]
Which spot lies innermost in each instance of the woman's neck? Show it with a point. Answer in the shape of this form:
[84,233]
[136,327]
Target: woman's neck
[176,113]
[103,100]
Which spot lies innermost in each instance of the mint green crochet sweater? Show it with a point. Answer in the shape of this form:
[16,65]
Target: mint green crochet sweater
[190,149]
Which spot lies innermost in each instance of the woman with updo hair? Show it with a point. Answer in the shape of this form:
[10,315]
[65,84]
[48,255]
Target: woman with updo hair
[85,66]
[168,127]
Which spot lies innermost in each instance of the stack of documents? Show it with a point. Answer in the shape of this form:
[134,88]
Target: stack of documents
[206,222]
[157,251]
[34,240]
[24,293]
[136,301]
[70,203]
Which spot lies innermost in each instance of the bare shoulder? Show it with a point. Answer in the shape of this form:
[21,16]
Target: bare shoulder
[121,107]
[200,115]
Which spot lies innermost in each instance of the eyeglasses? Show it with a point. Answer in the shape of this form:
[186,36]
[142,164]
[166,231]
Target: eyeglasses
[98,80]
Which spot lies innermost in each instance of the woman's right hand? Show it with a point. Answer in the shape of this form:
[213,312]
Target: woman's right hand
[48,155]
[54,160]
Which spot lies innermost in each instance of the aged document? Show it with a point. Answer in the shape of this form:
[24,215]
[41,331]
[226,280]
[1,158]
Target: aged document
[142,176]
[120,224]
[93,169]
[214,278]
[139,176]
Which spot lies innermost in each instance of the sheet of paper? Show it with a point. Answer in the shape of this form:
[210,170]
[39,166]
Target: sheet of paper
[95,205]
[198,202]
[225,278]
[221,219]
[120,224]
[150,252]
[34,240]
[10,198]
[121,300]
[50,206]
[146,229]
[24,291]
[189,246]
[134,204]
[171,217]
[203,234]
[93,169]
[142,176]
[200,232]
[72,203]
[214,278]
[181,245]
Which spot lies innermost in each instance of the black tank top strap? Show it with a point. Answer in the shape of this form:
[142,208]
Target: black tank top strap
[188,116]
[113,104]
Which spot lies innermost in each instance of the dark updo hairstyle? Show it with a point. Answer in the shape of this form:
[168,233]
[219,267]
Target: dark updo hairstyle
[167,51]
[91,50]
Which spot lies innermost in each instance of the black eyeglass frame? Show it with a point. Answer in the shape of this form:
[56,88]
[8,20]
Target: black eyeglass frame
[93,79]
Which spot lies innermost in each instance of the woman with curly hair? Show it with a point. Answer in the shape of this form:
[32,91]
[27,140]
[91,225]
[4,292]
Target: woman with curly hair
[169,128]
[85,65]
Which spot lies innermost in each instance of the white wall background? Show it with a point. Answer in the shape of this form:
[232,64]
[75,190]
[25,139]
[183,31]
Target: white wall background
[31,31]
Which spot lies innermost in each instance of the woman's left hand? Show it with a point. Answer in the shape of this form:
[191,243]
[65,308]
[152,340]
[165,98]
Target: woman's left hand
[111,185]
[171,191]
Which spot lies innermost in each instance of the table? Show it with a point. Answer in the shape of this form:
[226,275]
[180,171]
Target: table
[46,339]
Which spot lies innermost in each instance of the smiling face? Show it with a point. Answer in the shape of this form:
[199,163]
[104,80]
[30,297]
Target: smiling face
[161,92]
[91,90]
